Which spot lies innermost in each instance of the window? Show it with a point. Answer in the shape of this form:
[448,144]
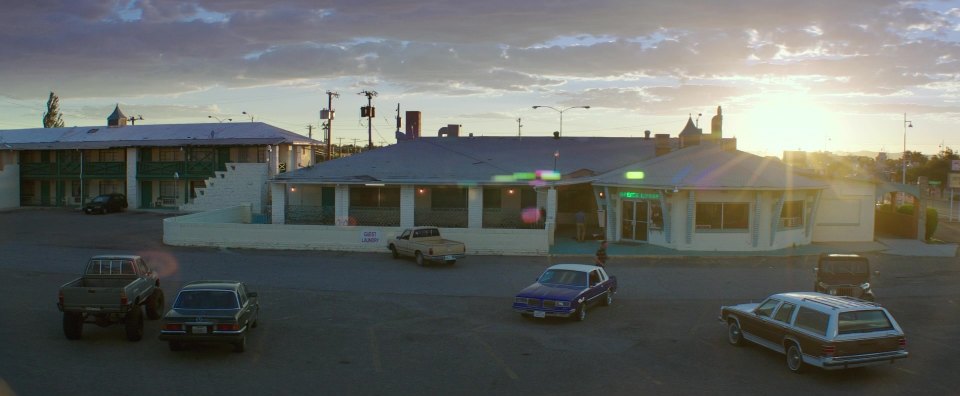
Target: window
[168,188]
[448,198]
[766,309]
[792,214]
[374,197]
[110,187]
[723,216]
[112,155]
[812,321]
[785,312]
[863,322]
[594,277]
[169,154]
[491,198]
[528,197]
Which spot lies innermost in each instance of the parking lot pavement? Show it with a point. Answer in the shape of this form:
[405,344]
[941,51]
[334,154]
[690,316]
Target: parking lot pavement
[344,323]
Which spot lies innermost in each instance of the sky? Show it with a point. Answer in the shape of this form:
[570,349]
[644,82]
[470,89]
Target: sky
[813,75]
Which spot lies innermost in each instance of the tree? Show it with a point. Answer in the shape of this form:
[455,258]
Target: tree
[53,118]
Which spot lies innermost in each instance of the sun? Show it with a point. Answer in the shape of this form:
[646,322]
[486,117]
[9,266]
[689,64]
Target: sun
[786,121]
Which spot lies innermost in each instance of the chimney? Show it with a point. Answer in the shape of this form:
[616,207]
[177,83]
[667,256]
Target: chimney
[661,143]
[451,130]
[729,144]
[413,124]
[646,134]
[716,125]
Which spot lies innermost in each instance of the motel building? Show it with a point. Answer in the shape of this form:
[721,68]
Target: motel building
[694,192]
[187,167]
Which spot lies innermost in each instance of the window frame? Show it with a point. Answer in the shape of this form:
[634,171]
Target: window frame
[725,212]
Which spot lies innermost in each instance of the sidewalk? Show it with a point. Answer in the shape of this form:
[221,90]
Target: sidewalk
[948,235]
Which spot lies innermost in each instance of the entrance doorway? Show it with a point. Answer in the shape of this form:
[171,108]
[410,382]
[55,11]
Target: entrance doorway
[634,223]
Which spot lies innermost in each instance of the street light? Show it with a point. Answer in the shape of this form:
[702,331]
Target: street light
[906,124]
[561,113]
[219,119]
[249,115]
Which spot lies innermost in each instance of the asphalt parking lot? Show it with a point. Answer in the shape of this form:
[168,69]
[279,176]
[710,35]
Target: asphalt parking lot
[350,323]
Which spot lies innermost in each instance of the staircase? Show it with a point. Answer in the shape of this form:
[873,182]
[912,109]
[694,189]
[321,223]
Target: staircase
[240,183]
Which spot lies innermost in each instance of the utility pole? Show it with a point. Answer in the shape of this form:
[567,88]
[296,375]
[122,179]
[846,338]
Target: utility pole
[398,119]
[310,131]
[518,127]
[368,112]
[340,147]
[329,129]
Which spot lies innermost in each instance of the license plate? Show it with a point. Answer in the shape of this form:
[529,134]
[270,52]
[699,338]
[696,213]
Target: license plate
[92,308]
[539,314]
[833,292]
[199,330]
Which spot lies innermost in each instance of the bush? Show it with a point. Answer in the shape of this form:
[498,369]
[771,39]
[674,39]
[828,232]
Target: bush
[931,220]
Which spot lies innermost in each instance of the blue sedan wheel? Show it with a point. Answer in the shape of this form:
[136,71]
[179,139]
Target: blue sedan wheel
[582,313]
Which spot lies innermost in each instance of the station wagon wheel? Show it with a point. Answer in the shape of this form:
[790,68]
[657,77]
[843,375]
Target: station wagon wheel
[609,298]
[734,334]
[794,358]
[419,258]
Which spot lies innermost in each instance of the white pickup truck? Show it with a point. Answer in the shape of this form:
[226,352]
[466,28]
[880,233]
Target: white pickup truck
[425,244]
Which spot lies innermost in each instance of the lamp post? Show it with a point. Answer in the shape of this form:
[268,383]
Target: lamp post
[221,119]
[248,115]
[906,124]
[561,113]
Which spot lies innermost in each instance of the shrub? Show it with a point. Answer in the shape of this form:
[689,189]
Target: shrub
[932,219]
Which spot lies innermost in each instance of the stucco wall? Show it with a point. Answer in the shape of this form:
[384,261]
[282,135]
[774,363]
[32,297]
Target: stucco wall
[229,228]
[10,186]
[846,212]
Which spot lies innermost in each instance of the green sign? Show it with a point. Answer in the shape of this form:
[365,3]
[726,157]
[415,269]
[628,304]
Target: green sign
[638,195]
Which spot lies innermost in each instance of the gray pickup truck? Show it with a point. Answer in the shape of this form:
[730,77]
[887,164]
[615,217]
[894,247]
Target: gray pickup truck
[112,289]
[425,244]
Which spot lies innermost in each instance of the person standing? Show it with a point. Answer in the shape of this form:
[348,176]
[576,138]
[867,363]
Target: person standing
[601,258]
[581,219]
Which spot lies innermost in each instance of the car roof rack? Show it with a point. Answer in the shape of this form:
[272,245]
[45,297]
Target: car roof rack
[840,302]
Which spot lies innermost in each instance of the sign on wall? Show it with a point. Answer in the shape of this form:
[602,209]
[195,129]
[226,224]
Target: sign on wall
[953,180]
[370,237]
[955,165]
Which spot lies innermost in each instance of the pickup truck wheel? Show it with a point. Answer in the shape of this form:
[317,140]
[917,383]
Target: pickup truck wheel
[582,313]
[420,261]
[608,301]
[734,334]
[393,250]
[241,345]
[794,358]
[72,325]
[155,304]
[134,324]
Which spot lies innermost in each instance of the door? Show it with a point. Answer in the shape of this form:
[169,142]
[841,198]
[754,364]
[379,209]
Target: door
[44,193]
[634,221]
[146,194]
[223,156]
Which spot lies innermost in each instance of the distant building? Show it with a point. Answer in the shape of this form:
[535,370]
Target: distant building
[191,167]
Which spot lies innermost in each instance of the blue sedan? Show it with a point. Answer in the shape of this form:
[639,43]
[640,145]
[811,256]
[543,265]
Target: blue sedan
[566,290]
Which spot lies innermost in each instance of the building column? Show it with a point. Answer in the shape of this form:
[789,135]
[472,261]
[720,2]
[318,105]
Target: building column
[292,158]
[407,205]
[475,207]
[279,206]
[342,205]
[551,222]
[273,160]
[133,200]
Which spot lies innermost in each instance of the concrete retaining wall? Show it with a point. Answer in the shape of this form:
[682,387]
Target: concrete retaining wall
[230,227]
